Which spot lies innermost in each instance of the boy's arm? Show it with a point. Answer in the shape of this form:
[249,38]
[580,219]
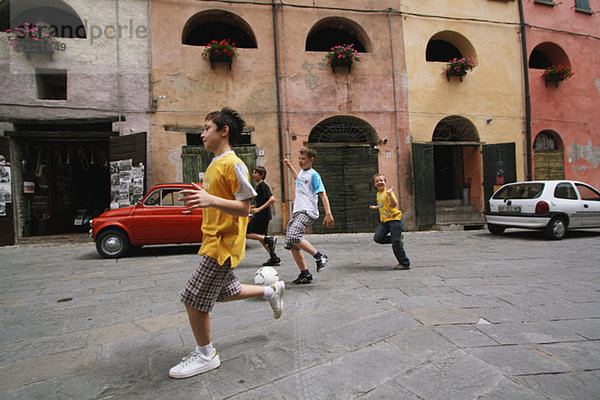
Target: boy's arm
[287,163]
[391,196]
[264,206]
[328,220]
[199,198]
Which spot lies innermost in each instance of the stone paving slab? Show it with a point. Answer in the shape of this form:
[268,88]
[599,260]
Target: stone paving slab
[477,317]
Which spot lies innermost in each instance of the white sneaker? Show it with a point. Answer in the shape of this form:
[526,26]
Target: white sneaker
[277,300]
[194,364]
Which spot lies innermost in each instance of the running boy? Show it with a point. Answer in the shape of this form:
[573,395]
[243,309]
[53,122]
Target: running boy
[225,200]
[390,217]
[261,215]
[309,188]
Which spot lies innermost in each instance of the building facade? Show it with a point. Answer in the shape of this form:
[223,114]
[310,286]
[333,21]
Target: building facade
[564,114]
[64,104]
[139,94]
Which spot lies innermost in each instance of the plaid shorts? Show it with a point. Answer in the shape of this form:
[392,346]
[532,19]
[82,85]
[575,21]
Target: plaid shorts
[210,282]
[296,227]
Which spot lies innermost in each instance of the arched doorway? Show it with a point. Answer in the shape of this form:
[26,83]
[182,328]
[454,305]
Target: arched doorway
[451,162]
[548,156]
[347,160]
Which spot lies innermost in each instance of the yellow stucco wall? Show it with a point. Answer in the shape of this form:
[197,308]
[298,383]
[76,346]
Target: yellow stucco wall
[493,90]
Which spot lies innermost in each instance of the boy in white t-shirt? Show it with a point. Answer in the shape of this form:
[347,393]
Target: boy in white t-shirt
[309,187]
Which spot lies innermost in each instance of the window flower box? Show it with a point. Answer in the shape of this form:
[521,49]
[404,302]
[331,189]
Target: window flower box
[29,39]
[342,56]
[220,51]
[459,67]
[557,74]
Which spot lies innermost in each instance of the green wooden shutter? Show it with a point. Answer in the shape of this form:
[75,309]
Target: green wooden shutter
[195,159]
[424,179]
[492,153]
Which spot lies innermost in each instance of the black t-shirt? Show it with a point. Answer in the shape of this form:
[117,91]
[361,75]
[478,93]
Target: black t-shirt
[263,194]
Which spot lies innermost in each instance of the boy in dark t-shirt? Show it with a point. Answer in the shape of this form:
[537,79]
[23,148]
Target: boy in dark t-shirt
[259,224]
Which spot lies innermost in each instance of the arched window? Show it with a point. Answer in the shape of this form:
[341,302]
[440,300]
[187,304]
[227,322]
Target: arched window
[330,32]
[455,129]
[547,140]
[547,54]
[52,16]
[447,45]
[216,25]
[343,129]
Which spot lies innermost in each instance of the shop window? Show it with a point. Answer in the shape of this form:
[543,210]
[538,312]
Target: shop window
[330,32]
[51,84]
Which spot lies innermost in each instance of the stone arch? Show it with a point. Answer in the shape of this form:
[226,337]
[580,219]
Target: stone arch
[343,129]
[547,140]
[455,129]
[55,16]
[446,45]
[334,31]
[209,25]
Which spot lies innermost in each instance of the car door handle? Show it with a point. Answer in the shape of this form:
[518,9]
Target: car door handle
[586,206]
[186,212]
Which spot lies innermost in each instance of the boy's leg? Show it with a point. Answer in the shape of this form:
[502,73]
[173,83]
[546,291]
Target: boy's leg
[200,324]
[273,293]
[381,235]
[396,239]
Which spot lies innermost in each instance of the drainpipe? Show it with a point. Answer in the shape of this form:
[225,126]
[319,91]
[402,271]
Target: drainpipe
[527,94]
[279,132]
[395,109]
[118,64]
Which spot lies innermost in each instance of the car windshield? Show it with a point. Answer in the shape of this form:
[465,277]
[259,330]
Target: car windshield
[520,191]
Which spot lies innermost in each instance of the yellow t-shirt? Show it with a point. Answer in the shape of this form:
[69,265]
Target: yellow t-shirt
[386,212]
[224,235]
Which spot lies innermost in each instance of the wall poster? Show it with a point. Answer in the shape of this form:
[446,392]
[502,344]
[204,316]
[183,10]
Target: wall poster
[126,183]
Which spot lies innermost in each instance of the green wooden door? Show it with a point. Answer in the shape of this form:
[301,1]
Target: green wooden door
[424,178]
[347,172]
[195,159]
[498,159]
[549,164]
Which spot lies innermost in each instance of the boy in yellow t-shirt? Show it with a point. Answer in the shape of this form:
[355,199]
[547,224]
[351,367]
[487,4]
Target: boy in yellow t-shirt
[225,199]
[390,217]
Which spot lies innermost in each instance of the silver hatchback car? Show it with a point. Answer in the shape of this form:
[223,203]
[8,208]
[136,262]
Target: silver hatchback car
[551,206]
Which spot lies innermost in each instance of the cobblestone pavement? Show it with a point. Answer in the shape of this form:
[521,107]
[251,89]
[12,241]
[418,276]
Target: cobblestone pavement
[477,317]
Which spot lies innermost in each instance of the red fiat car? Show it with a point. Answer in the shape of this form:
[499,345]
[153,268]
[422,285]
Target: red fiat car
[159,218]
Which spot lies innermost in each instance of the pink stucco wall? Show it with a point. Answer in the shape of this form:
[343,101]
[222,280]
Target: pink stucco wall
[571,109]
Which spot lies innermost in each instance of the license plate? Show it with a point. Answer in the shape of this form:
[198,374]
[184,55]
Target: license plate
[78,221]
[509,209]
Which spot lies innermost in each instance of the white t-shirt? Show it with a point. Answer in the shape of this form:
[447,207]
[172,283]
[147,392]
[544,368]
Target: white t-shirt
[308,186]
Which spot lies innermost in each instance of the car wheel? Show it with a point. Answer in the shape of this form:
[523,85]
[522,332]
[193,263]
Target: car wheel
[112,244]
[556,228]
[496,229]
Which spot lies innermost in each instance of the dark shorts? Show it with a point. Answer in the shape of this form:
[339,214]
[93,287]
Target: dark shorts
[210,282]
[258,225]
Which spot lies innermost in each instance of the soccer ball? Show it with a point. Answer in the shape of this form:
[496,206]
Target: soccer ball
[266,276]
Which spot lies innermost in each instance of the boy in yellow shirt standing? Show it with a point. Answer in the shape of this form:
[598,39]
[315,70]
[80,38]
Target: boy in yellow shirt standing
[390,217]
[225,199]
